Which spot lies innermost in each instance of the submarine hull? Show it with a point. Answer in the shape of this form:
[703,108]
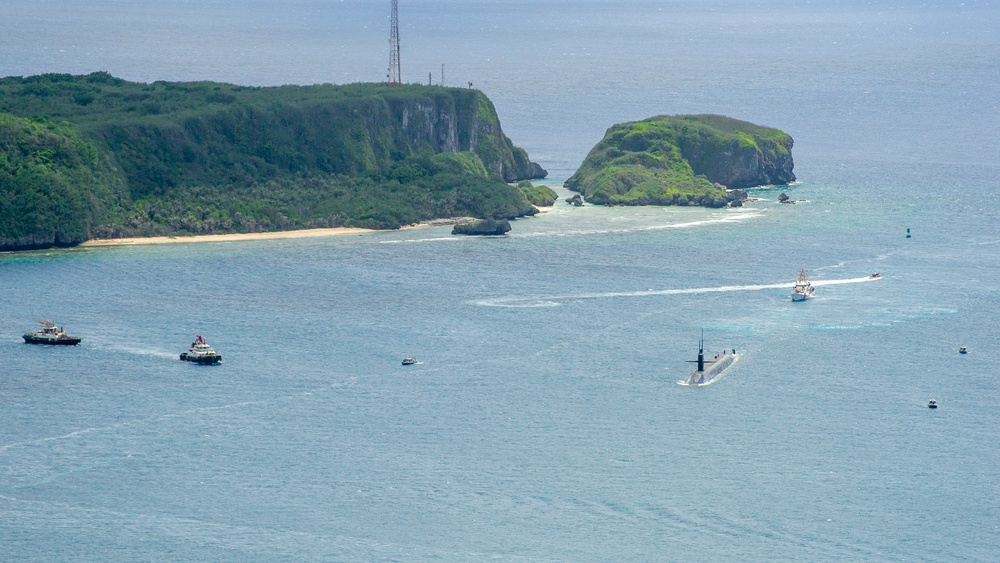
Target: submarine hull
[714,370]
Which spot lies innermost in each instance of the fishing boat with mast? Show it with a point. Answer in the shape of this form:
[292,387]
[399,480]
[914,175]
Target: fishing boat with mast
[51,334]
[711,369]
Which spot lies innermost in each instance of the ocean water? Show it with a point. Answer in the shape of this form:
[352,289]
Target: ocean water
[544,421]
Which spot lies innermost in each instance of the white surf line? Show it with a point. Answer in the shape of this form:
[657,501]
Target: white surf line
[515,301]
[728,218]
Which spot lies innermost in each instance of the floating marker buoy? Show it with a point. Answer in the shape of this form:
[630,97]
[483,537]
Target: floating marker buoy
[907,233]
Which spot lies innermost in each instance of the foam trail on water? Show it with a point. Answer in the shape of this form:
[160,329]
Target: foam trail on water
[726,218]
[841,282]
[412,240]
[729,217]
[537,301]
[139,351]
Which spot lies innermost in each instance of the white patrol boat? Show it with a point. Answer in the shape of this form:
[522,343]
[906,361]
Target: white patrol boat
[802,289]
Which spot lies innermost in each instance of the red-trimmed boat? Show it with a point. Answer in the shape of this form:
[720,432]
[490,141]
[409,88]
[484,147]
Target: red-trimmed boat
[201,353]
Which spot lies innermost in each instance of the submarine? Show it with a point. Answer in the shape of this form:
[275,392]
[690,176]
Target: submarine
[711,369]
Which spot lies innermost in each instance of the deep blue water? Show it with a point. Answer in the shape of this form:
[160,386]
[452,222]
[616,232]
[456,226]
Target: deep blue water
[544,422]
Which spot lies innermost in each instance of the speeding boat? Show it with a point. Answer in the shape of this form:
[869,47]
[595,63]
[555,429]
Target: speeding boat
[875,276]
[201,353]
[802,289]
[51,334]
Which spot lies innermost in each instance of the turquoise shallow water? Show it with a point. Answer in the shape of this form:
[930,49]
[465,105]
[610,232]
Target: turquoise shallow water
[544,421]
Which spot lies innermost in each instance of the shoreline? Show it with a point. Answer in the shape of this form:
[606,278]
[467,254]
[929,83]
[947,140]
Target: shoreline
[267,235]
[297,233]
[229,237]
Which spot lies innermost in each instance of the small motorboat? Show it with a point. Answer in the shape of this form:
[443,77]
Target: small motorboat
[201,353]
[51,334]
[875,276]
[963,350]
[932,404]
[408,361]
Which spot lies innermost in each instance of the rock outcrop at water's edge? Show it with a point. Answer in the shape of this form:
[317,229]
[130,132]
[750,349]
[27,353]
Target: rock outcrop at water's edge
[484,227]
[95,156]
[683,160]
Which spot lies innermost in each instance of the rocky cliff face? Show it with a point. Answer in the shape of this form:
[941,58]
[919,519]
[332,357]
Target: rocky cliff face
[455,120]
[431,122]
[741,162]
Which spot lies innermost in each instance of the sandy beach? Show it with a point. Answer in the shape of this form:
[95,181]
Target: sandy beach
[227,237]
[232,237]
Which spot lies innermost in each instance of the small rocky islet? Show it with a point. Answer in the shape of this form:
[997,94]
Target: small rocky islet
[705,160]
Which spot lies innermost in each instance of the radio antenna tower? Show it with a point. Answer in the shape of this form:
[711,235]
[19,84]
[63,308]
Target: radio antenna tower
[394,46]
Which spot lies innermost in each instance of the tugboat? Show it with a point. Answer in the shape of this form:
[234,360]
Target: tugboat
[51,334]
[408,361]
[802,289]
[963,350]
[932,404]
[201,353]
[711,369]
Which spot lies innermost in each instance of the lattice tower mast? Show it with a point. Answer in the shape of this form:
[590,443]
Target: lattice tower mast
[394,79]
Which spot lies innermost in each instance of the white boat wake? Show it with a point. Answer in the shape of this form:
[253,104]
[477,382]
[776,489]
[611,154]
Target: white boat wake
[552,300]
[136,350]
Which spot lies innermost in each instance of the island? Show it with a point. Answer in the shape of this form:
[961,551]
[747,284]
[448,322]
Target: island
[97,157]
[705,160]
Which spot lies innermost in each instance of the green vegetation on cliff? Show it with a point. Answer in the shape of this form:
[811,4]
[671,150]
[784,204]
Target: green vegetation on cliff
[541,196]
[176,158]
[55,188]
[682,160]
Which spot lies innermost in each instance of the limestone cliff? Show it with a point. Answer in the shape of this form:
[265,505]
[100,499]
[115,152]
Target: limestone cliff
[456,120]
